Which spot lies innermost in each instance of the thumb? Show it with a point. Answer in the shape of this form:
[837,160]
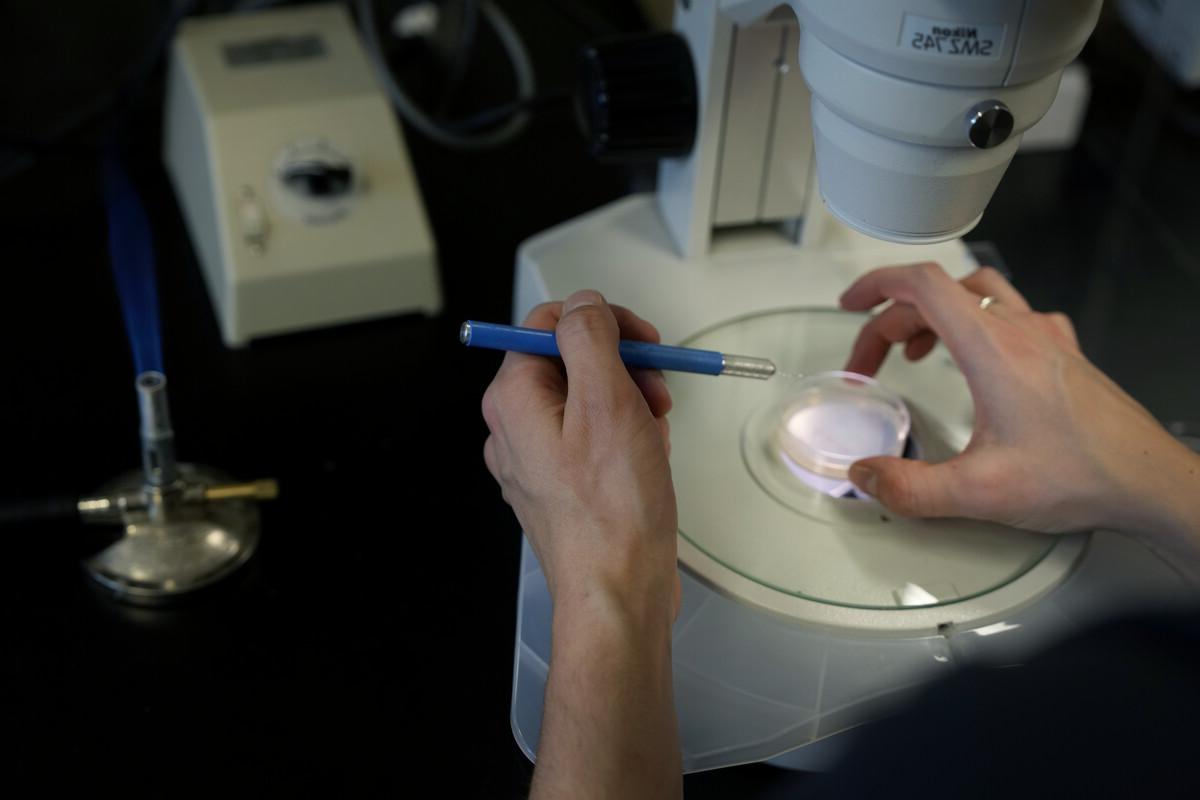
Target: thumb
[588,336]
[910,488]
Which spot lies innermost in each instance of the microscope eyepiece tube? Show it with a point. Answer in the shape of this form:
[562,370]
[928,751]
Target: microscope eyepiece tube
[919,107]
[158,439]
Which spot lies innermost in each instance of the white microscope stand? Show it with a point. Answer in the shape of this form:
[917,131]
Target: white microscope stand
[754,679]
[751,685]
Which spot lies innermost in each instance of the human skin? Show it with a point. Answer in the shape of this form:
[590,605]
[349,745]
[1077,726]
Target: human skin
[580,451]
[1057,446]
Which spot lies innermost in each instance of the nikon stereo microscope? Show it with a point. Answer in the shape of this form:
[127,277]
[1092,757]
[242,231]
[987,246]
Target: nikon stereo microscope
[830,137]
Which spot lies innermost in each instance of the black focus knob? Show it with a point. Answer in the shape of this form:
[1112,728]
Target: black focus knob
[988,124]
[637,97]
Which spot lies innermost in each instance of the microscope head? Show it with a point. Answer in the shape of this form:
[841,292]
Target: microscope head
[918,107]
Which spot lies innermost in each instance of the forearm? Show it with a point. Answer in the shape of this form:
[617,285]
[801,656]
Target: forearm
[1166,496]
[609,726]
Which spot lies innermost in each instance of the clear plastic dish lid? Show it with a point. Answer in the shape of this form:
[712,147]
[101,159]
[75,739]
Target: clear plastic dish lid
[829,420]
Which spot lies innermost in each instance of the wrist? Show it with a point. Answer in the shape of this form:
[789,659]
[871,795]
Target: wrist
[1161,501]
[609,728]
[1181,507]
[635,609]
[620,577]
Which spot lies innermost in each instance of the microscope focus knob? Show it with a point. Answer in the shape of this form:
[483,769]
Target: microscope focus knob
[988,124]
[636,98]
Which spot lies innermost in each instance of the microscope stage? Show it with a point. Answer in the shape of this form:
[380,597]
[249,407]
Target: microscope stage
[756,528]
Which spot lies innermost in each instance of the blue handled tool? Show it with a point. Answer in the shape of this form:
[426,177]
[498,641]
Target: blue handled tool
[635,354]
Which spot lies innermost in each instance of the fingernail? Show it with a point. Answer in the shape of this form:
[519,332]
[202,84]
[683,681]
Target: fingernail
[864,478]
[586,297]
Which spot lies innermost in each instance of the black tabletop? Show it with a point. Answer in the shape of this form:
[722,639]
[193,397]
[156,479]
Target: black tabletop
[368,647]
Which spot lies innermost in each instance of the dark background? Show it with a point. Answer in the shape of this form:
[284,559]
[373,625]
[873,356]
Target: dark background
[368,647]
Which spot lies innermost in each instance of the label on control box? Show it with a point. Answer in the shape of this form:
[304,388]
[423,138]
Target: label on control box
[273,50]
[948,38]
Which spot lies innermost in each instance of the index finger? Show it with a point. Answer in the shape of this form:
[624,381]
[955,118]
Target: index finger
[547,371]
[951,310]
[650,381]
[547,315]
[629,327]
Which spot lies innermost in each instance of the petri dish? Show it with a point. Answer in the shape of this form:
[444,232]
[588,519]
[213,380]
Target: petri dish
[745,503]
[832,419]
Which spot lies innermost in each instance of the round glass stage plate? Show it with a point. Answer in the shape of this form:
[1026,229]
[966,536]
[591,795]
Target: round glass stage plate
[743,503]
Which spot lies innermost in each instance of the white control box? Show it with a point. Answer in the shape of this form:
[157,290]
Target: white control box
[292,174]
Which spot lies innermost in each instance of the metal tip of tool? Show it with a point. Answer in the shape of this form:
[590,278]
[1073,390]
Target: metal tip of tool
[747,367]
[464,333]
